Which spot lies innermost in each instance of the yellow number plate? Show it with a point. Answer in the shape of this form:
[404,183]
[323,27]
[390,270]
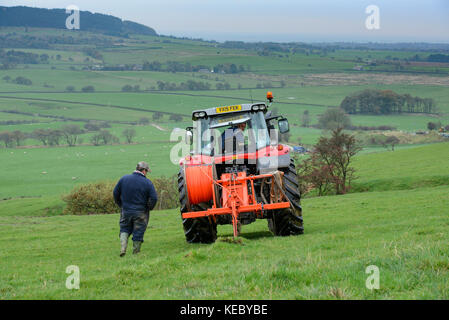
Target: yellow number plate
[229,109]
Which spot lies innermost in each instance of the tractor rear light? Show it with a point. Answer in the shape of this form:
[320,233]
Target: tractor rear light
[280,147]
[188,158]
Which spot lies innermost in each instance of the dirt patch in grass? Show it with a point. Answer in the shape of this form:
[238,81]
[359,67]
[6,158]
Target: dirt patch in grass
[373,78]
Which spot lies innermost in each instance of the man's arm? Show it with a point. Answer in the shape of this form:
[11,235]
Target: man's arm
[117,193]
[152,199]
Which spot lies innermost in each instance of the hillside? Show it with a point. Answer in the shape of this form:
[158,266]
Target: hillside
[21,16]
[422,166]
[404,233]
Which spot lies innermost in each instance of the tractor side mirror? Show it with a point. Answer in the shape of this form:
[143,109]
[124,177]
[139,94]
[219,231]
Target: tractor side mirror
[283,126]
[189,136]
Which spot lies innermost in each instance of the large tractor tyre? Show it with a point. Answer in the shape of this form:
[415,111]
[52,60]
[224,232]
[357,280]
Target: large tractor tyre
[288,221]
[196,230]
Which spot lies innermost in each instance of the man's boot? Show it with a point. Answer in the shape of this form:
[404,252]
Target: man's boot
[136,246]
[124,243]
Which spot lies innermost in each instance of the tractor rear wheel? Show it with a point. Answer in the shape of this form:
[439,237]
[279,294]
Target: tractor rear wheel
[286,222]
[196,230]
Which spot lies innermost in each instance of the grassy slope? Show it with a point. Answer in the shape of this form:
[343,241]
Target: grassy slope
[405,169]
[403,233]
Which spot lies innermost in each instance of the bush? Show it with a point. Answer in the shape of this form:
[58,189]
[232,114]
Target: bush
[175,117]
[127,88]
[23,81]
[334,118]
[167,192]
[88,89]
[93,198]
[97,197]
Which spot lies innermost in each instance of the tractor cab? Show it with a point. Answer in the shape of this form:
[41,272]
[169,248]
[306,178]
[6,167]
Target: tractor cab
[236,129]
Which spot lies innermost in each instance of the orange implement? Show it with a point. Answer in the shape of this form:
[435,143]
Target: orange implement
[236,198]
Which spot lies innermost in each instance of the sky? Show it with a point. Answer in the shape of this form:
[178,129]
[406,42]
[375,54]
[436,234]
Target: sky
[277,20]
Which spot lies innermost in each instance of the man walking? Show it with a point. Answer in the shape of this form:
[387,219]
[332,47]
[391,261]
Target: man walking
[136,196]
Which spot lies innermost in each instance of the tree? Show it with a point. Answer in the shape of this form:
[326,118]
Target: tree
[107,137]
[18,137]
[70,88]
[54,137]
[88,89]
[23,81]
[334,118]
[127,88]
[92,126]
[7,138]
[129,134]
[96,139]
[335,154]
[144,121]
[157,116]
[305,119]
[284,137]
[41,135]
[432,126]
[392,140]
[71,133]
[175,117]
[315,174]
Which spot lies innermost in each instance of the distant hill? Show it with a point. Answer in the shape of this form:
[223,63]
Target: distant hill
[22,16]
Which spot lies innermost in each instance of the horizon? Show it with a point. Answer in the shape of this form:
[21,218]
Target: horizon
[341,23]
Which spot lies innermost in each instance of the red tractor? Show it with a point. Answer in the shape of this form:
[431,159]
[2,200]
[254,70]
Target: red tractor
[237,172]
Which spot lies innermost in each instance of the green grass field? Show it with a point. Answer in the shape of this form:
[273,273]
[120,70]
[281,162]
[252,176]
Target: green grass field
[403,233]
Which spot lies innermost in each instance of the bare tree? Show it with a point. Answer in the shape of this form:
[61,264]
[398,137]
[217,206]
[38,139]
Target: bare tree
[18,137]
[7,138]
[337,152]
[54,137]
[305,119]
[129,134]
[392,140]
[329,165]
[71,133]
[41,135]
[96,139]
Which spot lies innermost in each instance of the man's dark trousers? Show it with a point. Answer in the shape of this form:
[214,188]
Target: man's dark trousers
[135,224]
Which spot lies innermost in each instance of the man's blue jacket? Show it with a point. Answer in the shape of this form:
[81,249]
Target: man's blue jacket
[134,193]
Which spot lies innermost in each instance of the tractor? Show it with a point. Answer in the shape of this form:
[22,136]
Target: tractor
[238,172]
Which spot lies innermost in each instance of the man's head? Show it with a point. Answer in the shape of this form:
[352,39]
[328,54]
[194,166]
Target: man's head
[242,126]
[143,167]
